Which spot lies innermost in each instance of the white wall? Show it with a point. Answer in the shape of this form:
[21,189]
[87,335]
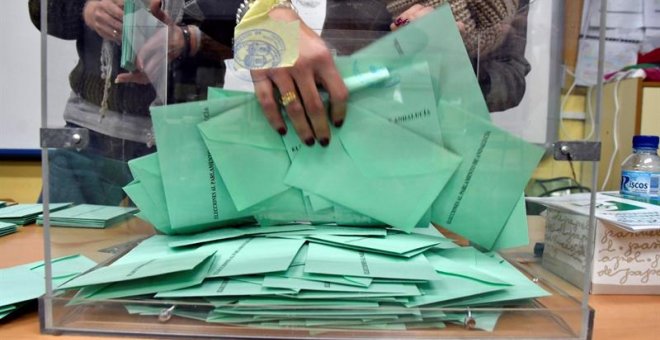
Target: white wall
[20,78]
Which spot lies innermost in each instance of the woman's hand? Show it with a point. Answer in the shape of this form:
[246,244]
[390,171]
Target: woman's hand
[105,17]
[295,88]
[413,13]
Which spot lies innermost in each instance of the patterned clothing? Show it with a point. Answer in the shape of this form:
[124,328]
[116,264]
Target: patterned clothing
[486,21]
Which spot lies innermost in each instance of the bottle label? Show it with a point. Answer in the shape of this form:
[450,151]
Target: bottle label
[639,183]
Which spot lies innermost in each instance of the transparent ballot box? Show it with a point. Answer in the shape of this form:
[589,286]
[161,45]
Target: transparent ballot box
[322,170]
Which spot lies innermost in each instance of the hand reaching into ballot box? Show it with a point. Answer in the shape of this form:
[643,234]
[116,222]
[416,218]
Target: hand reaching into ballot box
[296,87]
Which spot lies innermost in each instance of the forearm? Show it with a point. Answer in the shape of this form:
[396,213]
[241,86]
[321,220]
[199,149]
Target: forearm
[65,17]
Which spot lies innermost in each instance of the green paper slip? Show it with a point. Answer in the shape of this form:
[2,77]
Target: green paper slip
[323,259]
[223,287]
[317,230]
[89,215]
[7,228]
[449,288]
[306,285]
[148,285]
[464,262]
[260,302]
[196,196]
[460,105]
[489,153]
[254,255]
[150,196]
[26,282]
[141,269]
[393,243]
[249,154]
[22,214]
[149,210]
[516,231]
[296,271]
[2,204]
[229,233]
[376,168]
[494,265]
[452,75]
[138,25]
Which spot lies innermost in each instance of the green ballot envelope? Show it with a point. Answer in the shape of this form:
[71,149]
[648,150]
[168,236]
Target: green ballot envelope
[496,165]
[196,195]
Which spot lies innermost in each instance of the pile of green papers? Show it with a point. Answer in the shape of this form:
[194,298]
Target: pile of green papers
[312,276]
[417,146]
[7,228]
[24,283]
[89,216]
[22,214]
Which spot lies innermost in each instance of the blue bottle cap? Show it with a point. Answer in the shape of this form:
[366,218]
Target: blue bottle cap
[645,142]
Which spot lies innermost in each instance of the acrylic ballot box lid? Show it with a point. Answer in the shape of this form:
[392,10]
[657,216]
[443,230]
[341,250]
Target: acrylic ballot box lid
[411,223]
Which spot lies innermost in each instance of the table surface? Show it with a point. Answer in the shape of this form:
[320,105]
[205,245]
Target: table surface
[617,316]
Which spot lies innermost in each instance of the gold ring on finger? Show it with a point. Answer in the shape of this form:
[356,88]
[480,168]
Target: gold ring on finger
[288,98]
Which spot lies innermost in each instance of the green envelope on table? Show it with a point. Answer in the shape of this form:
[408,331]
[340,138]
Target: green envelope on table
[89,216]
[324,259]
[255,255]
[197,198]
[7,228]
[224,287]
[26,213]
[149,194]
[26,282]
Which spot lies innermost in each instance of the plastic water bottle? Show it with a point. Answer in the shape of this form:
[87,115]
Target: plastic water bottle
[640,172]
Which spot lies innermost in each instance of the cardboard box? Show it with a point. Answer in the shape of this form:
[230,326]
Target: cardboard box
[623,263]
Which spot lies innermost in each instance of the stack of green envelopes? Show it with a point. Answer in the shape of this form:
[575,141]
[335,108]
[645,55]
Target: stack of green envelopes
[89,216]
[311,276]
[417,146]
[23,214]
[23,283]
[7,228]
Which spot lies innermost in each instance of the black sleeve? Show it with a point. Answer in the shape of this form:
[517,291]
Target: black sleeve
[502,73]
[65,17]
[219,19]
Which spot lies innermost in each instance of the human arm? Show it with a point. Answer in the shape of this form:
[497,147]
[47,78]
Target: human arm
[502,72]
